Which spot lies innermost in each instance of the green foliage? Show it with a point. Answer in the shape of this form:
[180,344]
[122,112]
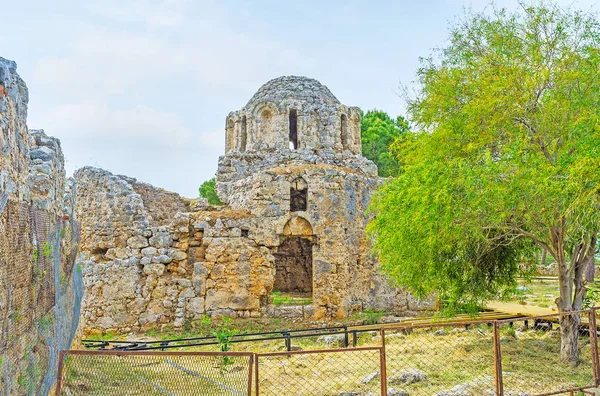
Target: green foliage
[279,299]
[592,297]
[35,254]
[224,333]
[371,317]
[47,249]
[207,190]
[379,131]
[506,161]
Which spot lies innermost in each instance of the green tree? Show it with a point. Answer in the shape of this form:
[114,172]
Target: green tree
[379,131]
[207,190]
[507,162]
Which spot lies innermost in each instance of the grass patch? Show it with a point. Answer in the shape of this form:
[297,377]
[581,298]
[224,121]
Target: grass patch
[290,299]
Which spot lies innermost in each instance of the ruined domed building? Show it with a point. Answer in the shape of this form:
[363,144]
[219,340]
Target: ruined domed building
[293,158]
[295,188]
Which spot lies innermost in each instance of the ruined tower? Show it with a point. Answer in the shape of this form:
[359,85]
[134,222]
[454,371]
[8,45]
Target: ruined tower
[293,158]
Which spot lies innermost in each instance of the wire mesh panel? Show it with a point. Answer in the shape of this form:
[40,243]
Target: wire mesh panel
[532,362]
[337,372]
[448,359]
[147,373]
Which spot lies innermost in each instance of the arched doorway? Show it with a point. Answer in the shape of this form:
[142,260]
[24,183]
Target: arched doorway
[294,262]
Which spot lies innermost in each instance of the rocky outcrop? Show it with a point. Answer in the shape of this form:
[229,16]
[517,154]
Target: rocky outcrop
[39,287]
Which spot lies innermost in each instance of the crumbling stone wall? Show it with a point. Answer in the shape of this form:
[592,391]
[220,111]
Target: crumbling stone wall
[38,283]
[138,276]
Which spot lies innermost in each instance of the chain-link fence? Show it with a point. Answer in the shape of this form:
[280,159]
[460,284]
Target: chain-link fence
[533,361]
[445,359]
[155,373]
[354,371]
[513,357]
[40,292]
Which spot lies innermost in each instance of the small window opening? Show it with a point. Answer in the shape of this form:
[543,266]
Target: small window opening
[243,137]
[293,130]
[344,132]
[245,233]
[298,195]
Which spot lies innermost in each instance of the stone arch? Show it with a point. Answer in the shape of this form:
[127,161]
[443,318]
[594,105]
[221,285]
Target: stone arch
[294,258]
[264,131]
[298,226]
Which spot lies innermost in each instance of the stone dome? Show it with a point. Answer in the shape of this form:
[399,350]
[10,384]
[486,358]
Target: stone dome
[302,89]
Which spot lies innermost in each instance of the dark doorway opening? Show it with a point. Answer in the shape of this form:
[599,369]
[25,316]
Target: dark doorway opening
[293,266]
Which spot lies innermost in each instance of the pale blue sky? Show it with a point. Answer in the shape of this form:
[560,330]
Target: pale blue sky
[142,88]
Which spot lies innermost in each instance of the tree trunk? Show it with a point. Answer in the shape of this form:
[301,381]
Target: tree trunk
[569,337]
[544,252]
[572,293]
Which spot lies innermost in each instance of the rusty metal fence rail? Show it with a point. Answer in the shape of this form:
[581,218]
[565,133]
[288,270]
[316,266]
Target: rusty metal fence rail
[513,357]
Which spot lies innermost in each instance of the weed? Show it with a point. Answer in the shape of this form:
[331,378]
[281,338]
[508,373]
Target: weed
[224,334]
[371,317]
[47,249]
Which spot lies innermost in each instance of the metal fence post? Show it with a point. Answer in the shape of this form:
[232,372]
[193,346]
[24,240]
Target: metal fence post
[61,361]
[256,386]
[252,358]
[345,336]
[498,360]
[594,345]
[383,364]
[288,341]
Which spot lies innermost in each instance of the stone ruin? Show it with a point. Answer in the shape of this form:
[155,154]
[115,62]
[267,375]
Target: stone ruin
[40,288]
[295,188]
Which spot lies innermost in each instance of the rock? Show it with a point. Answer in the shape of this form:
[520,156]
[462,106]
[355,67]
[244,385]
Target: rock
[440,332]
[156,269]
[397,392]
[409,376]
[331,339]
[370,377]
[161,240]
[149,251]
[137,242]
[162,259]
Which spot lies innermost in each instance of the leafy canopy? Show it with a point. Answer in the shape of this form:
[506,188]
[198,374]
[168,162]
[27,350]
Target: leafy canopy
[379,131]
[506,161]
[207,190]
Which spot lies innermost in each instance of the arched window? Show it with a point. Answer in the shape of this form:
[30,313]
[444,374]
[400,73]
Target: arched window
[293,129]
[243,135]
[344,132]
[298,195]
